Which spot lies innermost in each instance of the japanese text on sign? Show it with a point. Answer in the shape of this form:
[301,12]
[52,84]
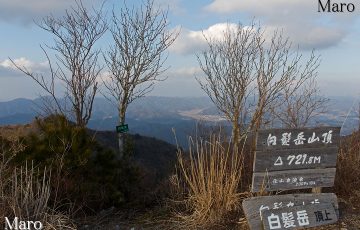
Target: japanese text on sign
[299,216]
[288,220]
[286,139]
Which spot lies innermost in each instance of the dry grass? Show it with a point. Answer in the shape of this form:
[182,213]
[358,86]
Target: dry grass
[207,183]
[25,193]
[30,193]
[347,183]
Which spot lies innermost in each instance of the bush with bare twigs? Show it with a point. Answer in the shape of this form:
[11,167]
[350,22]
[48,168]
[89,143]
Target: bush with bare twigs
[25,192]
[73,154]
[347,183]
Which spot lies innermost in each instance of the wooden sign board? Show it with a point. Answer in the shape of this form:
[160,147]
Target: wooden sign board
[295,158]
[293,179]
[272,139]
[253,207]
[290,159]
[299,217]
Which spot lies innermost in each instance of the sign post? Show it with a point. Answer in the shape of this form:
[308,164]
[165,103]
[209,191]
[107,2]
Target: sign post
[122,128]
[287,159]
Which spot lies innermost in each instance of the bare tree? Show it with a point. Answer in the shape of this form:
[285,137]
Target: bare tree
[76,61]
[229,66]
[243,66]
[278,67]
[136,58]
[296,109]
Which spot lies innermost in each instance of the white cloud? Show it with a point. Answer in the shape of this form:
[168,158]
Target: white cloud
[26,11]
[187,42]
[313,37]
[284,7]
[8,69]
[186,72]
[173,6]
[190,42]
[299,19]
[319,37]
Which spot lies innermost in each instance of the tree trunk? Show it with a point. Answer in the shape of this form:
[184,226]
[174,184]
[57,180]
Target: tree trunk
[121,145]
[235,132]
[256,122]
[121,136]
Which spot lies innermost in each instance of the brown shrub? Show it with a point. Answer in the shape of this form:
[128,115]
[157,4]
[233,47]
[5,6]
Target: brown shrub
[347,181]
[207,184]
[25,192]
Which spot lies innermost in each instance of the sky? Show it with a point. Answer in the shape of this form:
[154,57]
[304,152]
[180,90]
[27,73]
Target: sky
[333,36]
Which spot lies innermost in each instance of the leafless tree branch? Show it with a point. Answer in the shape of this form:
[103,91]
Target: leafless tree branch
[243,66]
[136,59]
[76,59]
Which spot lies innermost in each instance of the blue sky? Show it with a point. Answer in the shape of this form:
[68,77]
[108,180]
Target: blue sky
[334,36]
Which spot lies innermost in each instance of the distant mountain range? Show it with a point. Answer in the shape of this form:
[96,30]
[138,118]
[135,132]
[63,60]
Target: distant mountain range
[158,116]
[149,116]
